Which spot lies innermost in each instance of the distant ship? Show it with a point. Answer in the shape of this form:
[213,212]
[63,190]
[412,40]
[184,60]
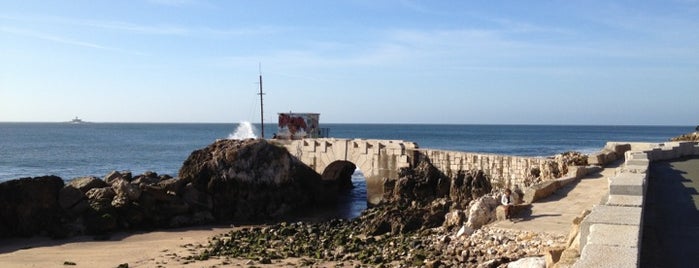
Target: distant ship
[76,120]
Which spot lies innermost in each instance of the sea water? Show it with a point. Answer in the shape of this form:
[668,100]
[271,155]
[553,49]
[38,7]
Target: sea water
[95,149]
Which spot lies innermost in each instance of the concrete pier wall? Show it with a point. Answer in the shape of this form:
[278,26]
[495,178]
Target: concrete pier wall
[379,159]
[503,170]
[611,235]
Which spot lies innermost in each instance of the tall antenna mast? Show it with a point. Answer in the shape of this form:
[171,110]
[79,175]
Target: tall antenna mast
[262,109]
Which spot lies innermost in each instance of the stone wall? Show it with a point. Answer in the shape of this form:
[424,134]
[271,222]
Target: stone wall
[611,235]
[377,159]
[503,170]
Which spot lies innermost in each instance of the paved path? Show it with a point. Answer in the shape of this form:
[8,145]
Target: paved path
[554,214]
[671,215]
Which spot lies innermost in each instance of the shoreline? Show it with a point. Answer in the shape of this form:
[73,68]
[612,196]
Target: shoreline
[138,248]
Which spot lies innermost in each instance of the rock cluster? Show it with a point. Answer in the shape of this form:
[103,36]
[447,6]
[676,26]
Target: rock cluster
[343,241]
[425,183]
[231,180]
[120,201]
[694,136]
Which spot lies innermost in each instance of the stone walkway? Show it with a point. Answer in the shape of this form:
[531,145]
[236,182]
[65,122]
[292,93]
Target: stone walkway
[554,214]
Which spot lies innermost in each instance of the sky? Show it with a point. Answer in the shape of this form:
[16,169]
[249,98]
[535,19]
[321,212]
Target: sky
[357,61]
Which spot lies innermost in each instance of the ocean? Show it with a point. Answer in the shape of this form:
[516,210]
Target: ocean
[95,149]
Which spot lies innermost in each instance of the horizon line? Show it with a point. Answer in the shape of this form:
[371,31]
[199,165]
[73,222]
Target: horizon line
[359,123]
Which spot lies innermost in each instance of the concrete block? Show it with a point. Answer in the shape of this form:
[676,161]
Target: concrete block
[539,191]
[625,200]
[614,235]
[634,161]
[602,214]
[627,183]
[592,169]
[577,171]
[618,148]
[637,155]
[596,159]
[562,181]
[635,168]
[609,157]
[607,256]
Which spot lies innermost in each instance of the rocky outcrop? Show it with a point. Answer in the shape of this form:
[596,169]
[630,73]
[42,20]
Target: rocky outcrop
[450,202]
[252,180]
[247,180]
[402,218]
[694,136]
[425,183]
[30,206]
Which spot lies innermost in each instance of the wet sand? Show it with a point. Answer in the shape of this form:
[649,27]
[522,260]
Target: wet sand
[145,249]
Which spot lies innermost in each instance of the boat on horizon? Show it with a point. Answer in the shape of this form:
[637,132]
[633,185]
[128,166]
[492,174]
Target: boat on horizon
[76,120]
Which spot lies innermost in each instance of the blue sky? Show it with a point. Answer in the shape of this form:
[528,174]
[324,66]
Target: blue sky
[363,61]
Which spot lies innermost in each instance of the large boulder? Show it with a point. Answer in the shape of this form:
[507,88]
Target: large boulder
[251,179]
[72,200]
[84,184]
[29,206]
[482,212]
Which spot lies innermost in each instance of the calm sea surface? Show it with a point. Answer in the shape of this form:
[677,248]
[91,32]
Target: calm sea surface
[73,150]
[94,149]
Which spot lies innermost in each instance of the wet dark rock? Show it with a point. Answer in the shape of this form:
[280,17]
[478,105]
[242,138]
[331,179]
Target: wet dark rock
[29,206]
[252,180]
[72,200]
[401,218]
[425,183]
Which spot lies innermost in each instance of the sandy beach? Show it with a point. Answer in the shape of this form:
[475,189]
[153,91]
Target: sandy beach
[140,249]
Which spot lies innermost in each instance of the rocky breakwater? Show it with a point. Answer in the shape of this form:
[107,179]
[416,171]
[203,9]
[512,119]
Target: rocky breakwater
[230,180]
[694,136]
[425,219]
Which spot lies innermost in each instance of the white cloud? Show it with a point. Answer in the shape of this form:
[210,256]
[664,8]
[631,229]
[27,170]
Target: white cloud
[62,40]
[165,29]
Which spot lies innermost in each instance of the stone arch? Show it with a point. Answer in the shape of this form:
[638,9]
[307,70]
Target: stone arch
[377,159]
[339,174]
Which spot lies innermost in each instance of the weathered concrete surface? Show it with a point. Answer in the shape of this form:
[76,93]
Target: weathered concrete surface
[671,220]
[625,200]
[555,213]
[628,184]
[612,215]
[627,207]
[614,235]
[607,256]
